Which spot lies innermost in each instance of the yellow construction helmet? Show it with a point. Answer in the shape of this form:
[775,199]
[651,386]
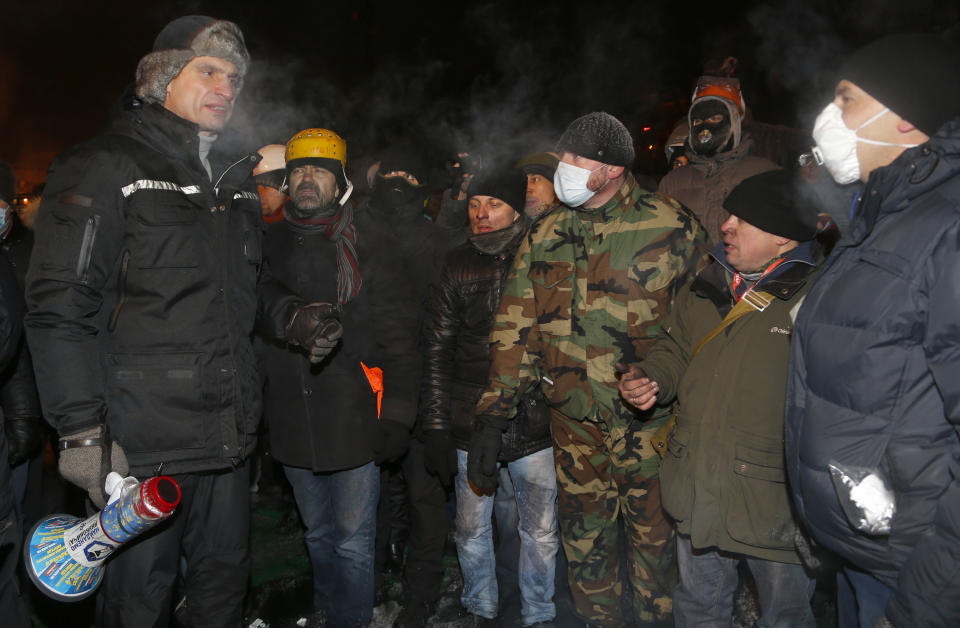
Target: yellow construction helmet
[317,144]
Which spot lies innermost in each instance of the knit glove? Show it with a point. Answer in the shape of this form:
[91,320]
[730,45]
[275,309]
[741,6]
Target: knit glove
[24,437]
[391,442]
[315,327]
[440,455]
[80,461]
[484,450]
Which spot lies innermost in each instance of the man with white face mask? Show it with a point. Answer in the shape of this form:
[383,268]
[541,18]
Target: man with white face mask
[587,291]
[873,396]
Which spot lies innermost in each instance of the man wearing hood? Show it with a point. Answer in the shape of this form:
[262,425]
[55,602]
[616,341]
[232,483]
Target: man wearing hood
[143,289]
[456,369]
[719,153]
[872,449]
[332,422]
[588,289]
[395,217]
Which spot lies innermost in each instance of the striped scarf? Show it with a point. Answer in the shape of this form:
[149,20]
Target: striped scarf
[340,229]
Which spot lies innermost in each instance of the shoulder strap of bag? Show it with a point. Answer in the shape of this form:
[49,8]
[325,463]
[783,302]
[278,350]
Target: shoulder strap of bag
[757,303]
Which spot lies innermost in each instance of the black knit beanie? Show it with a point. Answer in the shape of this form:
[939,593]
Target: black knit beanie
[7,184]
[771,201]
[915,75]
[598,136]
[506,183]
[180,41]
[406,158]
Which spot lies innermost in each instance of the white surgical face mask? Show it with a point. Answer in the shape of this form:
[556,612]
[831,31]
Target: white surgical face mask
[836,147]
[570,184]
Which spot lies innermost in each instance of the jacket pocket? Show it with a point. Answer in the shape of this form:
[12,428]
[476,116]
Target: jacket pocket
[553,292]
[677,474]
[167,236]
[155,401]
[757,510]
[251,233]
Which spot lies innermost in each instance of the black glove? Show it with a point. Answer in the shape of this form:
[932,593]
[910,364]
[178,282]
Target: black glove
[80,462]
[484,450]
[391,443]
[440,455]
[24,437]
[315,327]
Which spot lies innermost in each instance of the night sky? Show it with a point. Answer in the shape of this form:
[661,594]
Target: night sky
[490,76]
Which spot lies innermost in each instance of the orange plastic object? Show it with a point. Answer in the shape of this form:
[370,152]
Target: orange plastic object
[375,377]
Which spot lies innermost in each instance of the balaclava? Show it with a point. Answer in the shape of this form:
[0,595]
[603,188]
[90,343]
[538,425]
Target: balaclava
[715,96]
[396,192]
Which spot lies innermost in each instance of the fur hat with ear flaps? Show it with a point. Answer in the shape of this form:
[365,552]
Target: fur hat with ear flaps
[180,41]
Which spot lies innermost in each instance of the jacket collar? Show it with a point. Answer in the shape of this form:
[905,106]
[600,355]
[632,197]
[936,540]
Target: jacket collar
[175,137]
[915,172]
[713,282]
[502,241]
[718,161]
[625,197]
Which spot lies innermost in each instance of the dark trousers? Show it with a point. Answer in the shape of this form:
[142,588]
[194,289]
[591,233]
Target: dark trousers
[211,528]
[427,510]
[12,610]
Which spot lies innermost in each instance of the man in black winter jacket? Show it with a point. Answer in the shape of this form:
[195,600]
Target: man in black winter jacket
[143,289]
[456,366]
[332,423]
[873,399]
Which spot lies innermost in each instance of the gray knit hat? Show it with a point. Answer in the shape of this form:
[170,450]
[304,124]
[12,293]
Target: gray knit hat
[180,41]
[598,136]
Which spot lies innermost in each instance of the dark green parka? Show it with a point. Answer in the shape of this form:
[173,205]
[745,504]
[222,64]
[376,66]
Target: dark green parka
[722,477]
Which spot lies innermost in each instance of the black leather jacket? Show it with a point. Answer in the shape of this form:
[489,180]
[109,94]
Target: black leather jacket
[457,350]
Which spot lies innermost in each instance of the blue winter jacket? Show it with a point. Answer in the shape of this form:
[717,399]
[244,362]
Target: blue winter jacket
[875,381]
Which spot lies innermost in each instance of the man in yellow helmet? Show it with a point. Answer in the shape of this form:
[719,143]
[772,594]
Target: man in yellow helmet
[328,425]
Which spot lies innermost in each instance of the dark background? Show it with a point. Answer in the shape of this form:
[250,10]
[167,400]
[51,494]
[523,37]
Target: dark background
[499,77]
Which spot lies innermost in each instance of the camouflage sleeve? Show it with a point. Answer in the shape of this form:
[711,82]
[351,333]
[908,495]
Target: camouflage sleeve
[514,357]
[667,359]
[664,267]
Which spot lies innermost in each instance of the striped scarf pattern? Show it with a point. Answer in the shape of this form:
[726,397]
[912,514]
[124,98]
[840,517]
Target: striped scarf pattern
[339,228]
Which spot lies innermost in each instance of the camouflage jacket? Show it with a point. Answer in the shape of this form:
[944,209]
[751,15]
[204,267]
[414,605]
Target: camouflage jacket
[588,288]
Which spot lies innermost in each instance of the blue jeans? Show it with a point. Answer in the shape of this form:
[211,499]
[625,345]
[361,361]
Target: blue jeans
[708,580]
[339,510]
[861,598]
[535,485]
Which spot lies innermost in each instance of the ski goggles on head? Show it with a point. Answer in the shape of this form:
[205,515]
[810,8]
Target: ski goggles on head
[276,179]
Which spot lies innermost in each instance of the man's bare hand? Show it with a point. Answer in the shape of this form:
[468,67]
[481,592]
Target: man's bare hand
[636,388]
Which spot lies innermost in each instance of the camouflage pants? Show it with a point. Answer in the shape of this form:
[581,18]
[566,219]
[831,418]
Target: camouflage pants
[603,471]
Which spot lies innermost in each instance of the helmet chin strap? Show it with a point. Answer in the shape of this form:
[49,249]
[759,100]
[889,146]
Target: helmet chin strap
[349,191]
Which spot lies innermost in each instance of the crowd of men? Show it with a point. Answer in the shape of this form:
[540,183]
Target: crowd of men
[628,388]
